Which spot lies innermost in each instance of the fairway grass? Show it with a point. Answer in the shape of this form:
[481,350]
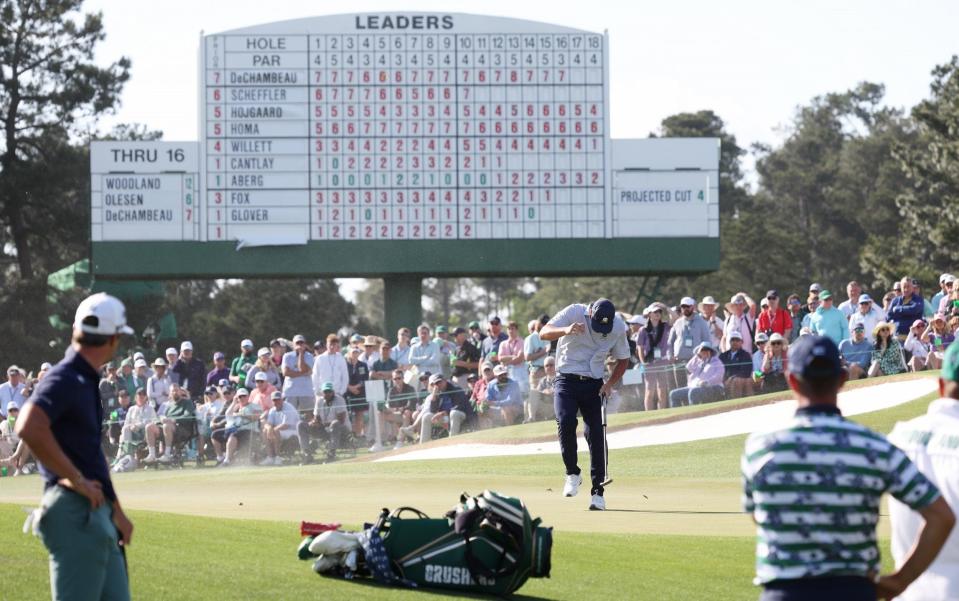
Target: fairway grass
[674,529]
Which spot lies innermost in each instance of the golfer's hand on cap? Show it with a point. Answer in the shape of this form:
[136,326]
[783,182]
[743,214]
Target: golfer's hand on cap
[575,328]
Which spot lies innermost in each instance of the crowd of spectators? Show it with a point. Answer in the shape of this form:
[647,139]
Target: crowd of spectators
[292,398]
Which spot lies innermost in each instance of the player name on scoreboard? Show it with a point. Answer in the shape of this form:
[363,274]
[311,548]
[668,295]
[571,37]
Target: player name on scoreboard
[144,191]
[413,126]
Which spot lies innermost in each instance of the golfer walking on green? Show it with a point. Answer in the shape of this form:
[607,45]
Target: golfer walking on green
[81,523]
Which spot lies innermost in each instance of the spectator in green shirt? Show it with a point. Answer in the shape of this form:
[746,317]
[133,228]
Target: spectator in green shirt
[243,363]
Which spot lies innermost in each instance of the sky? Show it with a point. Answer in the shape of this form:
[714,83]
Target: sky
[752,62]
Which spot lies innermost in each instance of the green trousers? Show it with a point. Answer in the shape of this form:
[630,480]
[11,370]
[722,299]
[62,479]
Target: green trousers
[86,563]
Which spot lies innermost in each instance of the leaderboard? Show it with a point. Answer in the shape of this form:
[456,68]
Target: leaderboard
[405,126]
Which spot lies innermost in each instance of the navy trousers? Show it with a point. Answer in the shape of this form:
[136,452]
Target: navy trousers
[830,588]
[572,394]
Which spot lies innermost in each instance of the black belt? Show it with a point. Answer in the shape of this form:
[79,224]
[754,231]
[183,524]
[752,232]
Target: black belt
[580,378]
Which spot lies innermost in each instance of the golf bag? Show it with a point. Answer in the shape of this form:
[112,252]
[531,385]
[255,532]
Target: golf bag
[486,544]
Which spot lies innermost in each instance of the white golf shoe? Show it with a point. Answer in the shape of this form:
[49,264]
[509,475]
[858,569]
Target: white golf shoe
[597,503]
[572,485]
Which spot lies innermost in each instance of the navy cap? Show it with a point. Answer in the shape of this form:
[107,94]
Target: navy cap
[814,358]
[604,313]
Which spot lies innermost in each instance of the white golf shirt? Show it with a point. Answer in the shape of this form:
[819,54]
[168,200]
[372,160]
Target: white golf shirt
[932,442]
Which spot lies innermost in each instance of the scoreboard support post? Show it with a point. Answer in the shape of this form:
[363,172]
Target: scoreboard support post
[402,302]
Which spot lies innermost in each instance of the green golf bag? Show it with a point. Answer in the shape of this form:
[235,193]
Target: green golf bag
[486,544]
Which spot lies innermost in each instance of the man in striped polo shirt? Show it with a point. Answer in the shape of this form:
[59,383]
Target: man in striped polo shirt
[813,488]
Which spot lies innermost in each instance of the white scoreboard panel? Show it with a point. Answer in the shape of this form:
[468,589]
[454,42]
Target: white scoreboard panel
[405,127]
[144,191]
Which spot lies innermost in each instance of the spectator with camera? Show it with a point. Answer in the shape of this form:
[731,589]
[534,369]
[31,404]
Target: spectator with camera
[773,319]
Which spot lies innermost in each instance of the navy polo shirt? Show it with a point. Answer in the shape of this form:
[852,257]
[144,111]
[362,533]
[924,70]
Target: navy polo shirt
[70,396]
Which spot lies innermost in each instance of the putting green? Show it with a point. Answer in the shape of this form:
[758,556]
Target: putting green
[674,529]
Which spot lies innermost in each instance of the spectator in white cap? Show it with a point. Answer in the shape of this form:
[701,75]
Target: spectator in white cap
[11,391]
[851,304]
[944,290]
[707,307]
[503,396]
[44,368]
[279,425]
[261,393]
[141,373]
[867,314]
[190,371]
[740,317]
[815,288]
[654,351]
[242,363]
[738,363]
[687,333]
[706,373]
[297,375]
[775,364]
[172,356]
[263,365]
[158,386]
[762,339]
[946,302]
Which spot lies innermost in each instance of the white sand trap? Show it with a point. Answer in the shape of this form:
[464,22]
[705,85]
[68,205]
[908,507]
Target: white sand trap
[729,423]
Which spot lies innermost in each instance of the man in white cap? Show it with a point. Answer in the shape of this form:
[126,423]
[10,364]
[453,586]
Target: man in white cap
[946,283]
[866,315]
[11,391]
[687,333]
[707,308]
[83,526]
[172,356]
[242,363]
[740,317]
[190,371]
